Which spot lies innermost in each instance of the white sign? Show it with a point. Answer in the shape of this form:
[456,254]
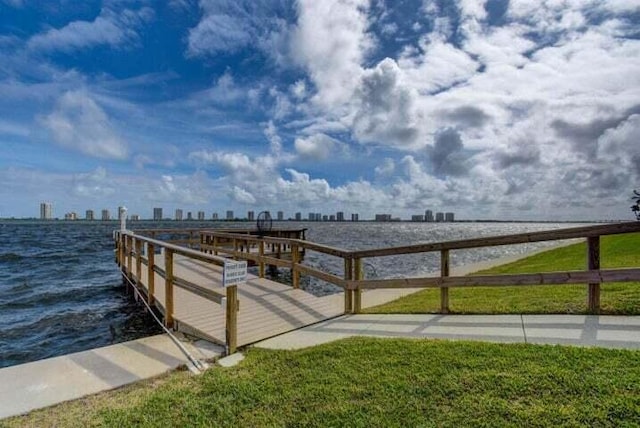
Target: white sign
[234,273]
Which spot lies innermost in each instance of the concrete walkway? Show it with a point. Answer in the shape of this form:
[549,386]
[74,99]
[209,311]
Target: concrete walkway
[581,330]
[39,384]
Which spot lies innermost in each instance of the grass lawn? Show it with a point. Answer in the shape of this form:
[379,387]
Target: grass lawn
[616,298]
[367,382]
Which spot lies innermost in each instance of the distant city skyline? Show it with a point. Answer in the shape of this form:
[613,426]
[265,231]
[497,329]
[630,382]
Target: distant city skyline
[517,110]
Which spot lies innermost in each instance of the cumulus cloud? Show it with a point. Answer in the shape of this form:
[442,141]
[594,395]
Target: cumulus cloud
[242,196]
[95,184]
[316,147]
[110,28]
[386,169]
[447,155]
[78,122]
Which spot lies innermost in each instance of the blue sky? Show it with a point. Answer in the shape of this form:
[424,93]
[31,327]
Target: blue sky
[492,109]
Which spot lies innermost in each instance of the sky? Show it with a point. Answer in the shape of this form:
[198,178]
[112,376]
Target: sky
[496,109]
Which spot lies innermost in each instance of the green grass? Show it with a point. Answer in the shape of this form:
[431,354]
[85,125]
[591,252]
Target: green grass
[616,298]
[365,382]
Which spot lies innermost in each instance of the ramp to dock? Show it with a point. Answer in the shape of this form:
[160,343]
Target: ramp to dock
[266,308]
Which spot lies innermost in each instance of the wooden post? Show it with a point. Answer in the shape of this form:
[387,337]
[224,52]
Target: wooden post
[215,245]
[168,288]
[444,291]
[357,293]
[260,261]
[295,273]
[129,255]
[593,263]
[151,275]
[232,318]
[138,261]
[348,294]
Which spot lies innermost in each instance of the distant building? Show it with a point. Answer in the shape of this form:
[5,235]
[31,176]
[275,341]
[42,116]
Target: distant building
[88,215]
[214,216]
[354,217]
[189,215]
[46,211]
[71,216]
[332,217]
[312,216]
[280,215]
[157,214]
[135,217]
[439,216]
[318,216]
[251,216]
[298,216]
[200,215]
[325,218]
[178,216]
[417,218]
[229,215]
[340,216]
[448,217]
[383,217]
[106,216]
[428,216]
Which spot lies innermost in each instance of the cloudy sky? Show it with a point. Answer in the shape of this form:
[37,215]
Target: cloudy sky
[497,109]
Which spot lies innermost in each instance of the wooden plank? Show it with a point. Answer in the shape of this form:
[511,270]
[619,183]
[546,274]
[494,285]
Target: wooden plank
[548,278]
[348,294]
[444,272]
[593,263]
[333,279]
[199,290]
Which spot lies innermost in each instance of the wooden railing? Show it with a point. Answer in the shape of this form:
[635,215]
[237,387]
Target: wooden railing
[142,250]
[267,251]
[353,281]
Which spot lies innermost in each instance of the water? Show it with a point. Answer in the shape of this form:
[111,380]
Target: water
[61,292]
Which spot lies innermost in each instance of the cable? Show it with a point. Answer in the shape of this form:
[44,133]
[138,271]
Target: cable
[196,363]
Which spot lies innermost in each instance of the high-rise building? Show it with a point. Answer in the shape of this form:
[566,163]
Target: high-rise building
[157,214]
[189,215]
[418,217]
[134,217]
[200,215]
[428,215]
[251,216]
[214,216]
[340,216]
[46,211]
[298,216]
[88,215]
[383,217]
[439,216]
[280,215]
[312,216]
[229,215]
[354,217]
[71,216]
[448,217]
[325,218]
[178,216]
[332,217]
[318,216]
[106,216]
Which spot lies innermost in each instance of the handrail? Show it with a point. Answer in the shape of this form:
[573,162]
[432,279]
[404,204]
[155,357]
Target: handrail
[520,238]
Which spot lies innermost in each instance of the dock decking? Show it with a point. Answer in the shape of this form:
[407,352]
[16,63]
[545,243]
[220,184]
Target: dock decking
[266,308]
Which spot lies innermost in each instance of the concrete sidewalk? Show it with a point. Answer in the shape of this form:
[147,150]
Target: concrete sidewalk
[581,330]
[39,384]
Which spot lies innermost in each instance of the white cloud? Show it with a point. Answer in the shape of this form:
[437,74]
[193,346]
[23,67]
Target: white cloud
[242,196]
[115,29]
[330,42]
[79,123]
[386,169]
[316,147]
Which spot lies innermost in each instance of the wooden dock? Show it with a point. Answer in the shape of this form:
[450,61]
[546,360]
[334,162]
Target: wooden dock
[185,281]
[266,308]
